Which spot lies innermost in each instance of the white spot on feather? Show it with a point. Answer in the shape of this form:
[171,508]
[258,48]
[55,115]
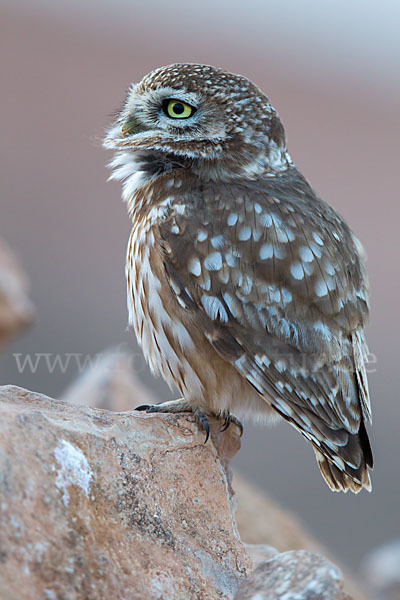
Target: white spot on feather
[233,304]
[218,242]
[214,308]
[194,266]
[329,268]
[281,365]
[266,220]
[306,254]
[282,405]
[279,252]
[308,268]
[317,250]
[331,283]
[232,219]
[231,261]
[323,329]
[297,270]
[321,289]
[202,235]
[213,262]
[180,209]
[244,233]
[286,296]
[277,221]
[176,288]
[266,251]
[262,360]
[257,234]
[284,235]
[338,462]
[318,238]
[246,285]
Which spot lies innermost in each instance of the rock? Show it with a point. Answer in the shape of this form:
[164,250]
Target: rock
[381,571]
[260,553]
[96,505]
[99,505]
[297,575]
[16,310]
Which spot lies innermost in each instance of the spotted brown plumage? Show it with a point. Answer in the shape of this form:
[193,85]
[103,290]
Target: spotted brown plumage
[245,289]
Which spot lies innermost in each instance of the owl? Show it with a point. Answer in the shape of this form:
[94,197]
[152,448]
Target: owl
[245,290]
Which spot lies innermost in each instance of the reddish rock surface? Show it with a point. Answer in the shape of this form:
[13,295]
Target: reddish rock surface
[99,505]
[297,575]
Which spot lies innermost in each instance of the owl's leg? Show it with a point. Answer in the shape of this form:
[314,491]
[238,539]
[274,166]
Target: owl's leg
[172,406]
[179,406]
[228,419]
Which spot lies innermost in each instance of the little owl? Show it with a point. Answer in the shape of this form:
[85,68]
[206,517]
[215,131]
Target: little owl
[245,289]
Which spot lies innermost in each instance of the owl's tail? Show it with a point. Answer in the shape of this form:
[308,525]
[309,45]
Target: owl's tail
[346,467]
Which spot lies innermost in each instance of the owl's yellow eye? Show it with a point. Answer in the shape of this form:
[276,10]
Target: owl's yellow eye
[176,109]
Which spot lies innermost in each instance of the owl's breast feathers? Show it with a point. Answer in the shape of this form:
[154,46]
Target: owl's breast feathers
[264,281]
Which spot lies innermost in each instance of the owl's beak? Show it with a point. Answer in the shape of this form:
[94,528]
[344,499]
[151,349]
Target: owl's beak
[131,126]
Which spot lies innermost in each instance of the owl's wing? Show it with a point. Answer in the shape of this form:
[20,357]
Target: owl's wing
[274,279]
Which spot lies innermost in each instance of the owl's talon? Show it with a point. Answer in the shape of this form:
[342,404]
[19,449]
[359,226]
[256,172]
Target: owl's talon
[228,419]
[225,425]
[207,430]
[201,419]
[144,407]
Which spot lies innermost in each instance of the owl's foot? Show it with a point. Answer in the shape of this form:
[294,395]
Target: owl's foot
[179,406]
[228,419]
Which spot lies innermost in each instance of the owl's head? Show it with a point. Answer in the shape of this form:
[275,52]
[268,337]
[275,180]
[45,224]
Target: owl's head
[198,116]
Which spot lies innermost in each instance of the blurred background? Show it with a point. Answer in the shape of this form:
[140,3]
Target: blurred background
[330,69]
